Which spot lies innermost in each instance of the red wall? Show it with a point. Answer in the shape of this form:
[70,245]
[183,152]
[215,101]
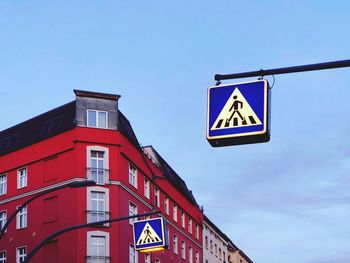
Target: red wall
[62,158]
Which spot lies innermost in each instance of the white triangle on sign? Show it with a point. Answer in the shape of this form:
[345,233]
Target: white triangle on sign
[236,113]
[148,236]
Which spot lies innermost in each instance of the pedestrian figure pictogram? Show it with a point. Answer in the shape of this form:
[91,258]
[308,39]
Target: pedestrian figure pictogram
[236,113]
[148,236]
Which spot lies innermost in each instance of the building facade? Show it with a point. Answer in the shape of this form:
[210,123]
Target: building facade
[89,138]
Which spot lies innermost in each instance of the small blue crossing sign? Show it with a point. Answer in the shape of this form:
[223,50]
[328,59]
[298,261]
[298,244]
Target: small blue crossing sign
[150,234]
[238,113]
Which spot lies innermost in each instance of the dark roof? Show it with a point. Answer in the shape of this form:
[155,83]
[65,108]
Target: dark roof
[41,127]
[126,129]
[175,179]
[98,95]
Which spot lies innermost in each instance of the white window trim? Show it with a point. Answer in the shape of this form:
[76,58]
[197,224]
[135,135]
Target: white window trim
[4,251]
[135,175]
[4,183]
[90,234]
[135,251]
[132,220]
[89,197]
[175,244]
[17,254]
[2,211]
[18,216]
[147,191]
[157,196]
[97,148]
[19,176]
[166,205]
[175,212]
[97,118]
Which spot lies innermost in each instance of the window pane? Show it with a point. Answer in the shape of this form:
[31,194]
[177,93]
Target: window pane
[102,119]
[92,121]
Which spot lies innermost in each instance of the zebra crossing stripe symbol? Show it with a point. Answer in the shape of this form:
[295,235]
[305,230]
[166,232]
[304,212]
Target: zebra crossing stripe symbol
[236,113]
[148,236]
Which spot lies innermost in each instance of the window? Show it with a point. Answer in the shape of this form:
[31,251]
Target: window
[224,256]
[157,196]
[22,218]
[197,257]
[97,247]
[2,256]
[190,255]
[183,250]
[3,219]
[132,254]
[97,204]
[97,119]
[166,205]
[97,164]
[132,212]
[211,246]
[21,254]
[175,212]
[175,248]
[132,175]
[22,177]
[157,260]
[183,219]
[197,231]
[147,188]
[3,184]
[147,258]
[206,242]
[190,225]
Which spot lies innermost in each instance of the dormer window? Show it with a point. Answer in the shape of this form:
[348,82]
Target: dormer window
[97,119]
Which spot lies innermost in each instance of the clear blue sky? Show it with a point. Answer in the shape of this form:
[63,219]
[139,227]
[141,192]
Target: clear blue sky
[283,201]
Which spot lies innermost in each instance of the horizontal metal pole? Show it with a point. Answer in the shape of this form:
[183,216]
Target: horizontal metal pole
[276,71]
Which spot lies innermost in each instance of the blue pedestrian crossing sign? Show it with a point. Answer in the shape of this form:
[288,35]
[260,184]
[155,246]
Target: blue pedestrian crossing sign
[150,235]
[238,113]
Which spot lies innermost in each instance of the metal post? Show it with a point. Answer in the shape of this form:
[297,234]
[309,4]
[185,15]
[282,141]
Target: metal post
[276,71]
[75,184]
[62,231]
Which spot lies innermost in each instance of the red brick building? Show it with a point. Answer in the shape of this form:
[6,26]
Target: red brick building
[89,138]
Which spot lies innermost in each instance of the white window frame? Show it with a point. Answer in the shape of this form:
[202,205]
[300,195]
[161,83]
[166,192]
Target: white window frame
[3,184]
[147,188]
[22,177]
[21,256]
[197,231]
[190,226]
[105,159]
[183,249]
[3,218]
[190,254]
[183,219]
[89,200]
[132,211]
[147,258]
[97,116]
[157,196]
[133,256]
[133,175]
[166,205]
[90,248]
[22,218]
[175,245]
[175,212]
[3,256]
[197,257]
